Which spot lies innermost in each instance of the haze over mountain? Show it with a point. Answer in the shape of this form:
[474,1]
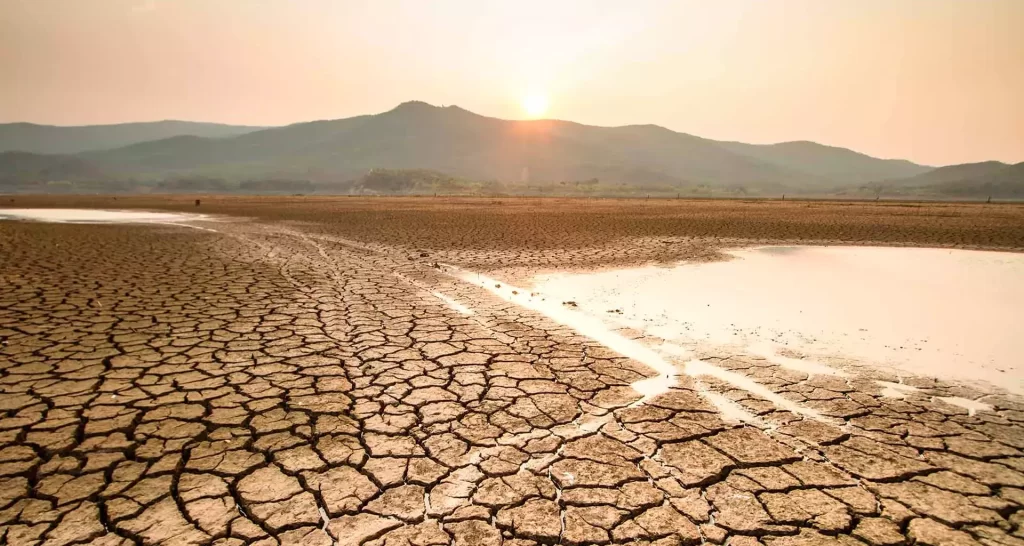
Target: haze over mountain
[462,144]
[53,139]
[988,178]
[952,173]
[828,162]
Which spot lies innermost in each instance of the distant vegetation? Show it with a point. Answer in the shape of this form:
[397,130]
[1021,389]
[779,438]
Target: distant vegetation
[421,149]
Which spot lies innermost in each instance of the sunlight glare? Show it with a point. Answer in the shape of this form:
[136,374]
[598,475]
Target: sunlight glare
[535,105]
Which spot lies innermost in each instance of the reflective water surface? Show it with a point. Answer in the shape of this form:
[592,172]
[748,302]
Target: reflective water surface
[96,216]
[953,314]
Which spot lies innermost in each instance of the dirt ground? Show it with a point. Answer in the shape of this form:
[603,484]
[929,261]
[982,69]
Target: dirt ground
[300,375]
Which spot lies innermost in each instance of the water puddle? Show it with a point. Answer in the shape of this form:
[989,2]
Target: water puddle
[810,367]
[98,216]
[896,390]
[972,406]
[953,314]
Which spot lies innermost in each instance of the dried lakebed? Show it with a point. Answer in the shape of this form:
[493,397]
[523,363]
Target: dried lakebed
[267,384]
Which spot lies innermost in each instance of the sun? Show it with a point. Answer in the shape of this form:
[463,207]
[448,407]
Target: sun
[535,105]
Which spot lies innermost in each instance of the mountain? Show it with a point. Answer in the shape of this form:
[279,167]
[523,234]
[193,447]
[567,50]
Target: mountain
[974,180]
[829,162]
[52,139]
[29,167]
[1005,183]
[452,140]
[952,173]
[420,146]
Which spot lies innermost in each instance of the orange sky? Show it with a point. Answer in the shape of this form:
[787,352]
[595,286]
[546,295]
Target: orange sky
[935,81]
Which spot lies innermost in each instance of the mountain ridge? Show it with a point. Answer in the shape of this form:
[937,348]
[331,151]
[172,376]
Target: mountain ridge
[985,178]
[415,135]
[71,139]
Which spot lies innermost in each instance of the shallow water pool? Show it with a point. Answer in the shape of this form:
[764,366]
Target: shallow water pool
[96,216]
[953,314]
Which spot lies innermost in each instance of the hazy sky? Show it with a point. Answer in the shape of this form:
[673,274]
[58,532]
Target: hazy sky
[934,81]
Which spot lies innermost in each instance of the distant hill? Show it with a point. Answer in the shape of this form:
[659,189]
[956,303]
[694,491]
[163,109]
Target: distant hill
[52,139]
[829,162]
[451,140]
[417,147]
[952,173]
[48,173]
[457,142]
[968,181]
[999,182]
[28,167]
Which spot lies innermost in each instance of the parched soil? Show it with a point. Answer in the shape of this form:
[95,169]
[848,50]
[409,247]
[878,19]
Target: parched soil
[294,378]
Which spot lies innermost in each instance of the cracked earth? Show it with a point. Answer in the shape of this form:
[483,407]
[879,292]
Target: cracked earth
[267,383]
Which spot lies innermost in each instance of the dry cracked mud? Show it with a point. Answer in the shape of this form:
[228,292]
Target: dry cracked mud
[275,382]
